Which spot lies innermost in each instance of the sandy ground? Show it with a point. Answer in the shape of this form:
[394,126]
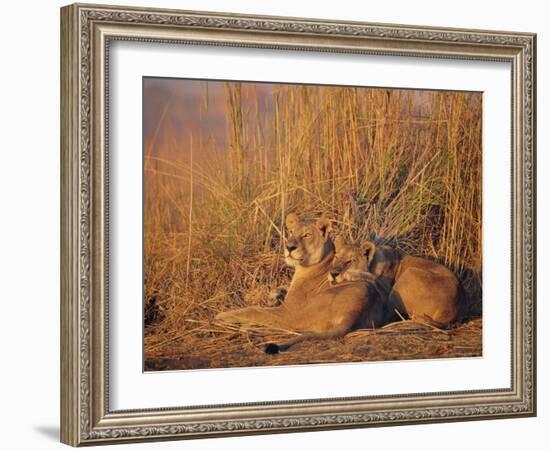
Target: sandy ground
[238,348]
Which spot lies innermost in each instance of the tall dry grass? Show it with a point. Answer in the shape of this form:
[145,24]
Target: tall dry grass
[396,165]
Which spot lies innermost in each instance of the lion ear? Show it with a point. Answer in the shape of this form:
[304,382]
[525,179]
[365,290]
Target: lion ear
[338,241]
[368,249]
[324,225]
[291,221]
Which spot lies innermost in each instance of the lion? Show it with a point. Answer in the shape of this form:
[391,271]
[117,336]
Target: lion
[418,288]
[312,305]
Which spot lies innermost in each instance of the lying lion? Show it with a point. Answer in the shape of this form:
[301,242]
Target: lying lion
[419,288]
[312,305]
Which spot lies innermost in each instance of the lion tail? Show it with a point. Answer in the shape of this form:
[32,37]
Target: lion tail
[338,331]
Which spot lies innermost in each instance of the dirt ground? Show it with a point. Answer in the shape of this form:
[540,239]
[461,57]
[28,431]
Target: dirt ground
[238,348]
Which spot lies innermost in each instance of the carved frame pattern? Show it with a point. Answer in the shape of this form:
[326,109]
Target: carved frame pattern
[86,418]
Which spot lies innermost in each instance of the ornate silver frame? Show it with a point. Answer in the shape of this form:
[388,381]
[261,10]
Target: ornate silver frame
[86,32]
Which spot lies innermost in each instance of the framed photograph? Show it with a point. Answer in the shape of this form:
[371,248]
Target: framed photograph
[275,225]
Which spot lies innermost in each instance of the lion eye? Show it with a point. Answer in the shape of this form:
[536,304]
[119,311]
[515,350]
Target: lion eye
[307,235]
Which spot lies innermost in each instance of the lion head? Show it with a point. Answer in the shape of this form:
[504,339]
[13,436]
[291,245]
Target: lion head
[308,241]
[351,262]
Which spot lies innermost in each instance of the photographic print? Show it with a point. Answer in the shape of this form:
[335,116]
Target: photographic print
[291,224]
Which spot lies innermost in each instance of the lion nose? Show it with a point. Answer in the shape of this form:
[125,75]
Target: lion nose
[334,274]
[290,248]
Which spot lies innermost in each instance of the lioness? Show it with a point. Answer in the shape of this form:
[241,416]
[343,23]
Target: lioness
[313,306]
[422,289]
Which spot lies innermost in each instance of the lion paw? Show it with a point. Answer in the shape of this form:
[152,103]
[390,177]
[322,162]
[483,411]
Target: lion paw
[277,296]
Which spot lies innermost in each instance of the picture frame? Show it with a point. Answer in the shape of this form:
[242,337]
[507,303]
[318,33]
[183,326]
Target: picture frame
[87,32]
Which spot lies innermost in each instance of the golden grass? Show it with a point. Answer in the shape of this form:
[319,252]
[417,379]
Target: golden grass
[398,165]
[397,341]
